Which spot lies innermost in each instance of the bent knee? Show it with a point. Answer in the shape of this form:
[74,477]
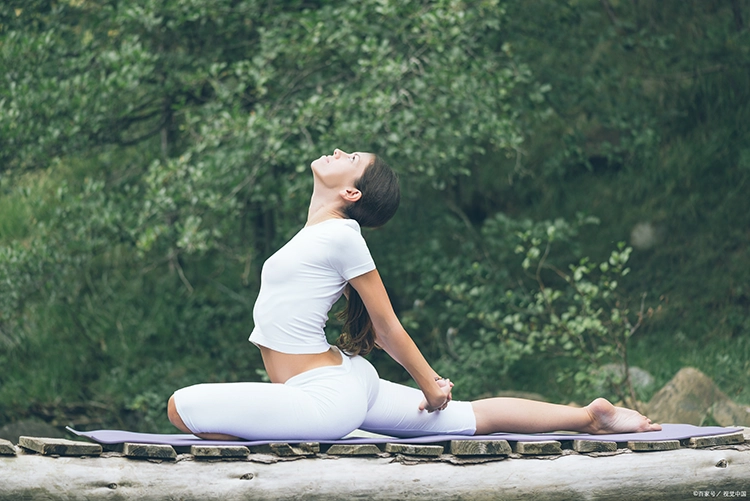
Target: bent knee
[174,416]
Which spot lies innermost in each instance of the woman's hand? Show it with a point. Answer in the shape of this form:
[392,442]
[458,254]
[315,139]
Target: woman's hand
[439,400]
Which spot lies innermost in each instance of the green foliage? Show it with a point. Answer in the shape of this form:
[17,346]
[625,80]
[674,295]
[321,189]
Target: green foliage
[154,153]
[491,319]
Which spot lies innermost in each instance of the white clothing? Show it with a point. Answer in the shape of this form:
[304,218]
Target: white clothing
[325,403]
[302,280]
[299,285]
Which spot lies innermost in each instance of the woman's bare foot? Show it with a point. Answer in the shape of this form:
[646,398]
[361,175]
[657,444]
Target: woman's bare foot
[606,418]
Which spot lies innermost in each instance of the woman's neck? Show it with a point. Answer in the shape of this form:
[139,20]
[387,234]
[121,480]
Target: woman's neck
[323,208]
[323,213]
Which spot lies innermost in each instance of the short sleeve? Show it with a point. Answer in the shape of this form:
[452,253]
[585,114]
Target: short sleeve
[351,257]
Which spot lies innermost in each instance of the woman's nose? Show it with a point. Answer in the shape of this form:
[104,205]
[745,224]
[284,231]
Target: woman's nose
[337,153]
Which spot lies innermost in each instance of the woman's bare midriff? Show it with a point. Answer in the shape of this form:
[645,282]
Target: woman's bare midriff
[282,366]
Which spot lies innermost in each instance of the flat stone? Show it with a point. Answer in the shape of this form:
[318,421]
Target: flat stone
[660,445]
[353,449]
[540,448]
[148,451]
[284,449]
[480,448]
[59,446]
[6,448]
[414,450]
[219,451]
[594,446]
[725,439]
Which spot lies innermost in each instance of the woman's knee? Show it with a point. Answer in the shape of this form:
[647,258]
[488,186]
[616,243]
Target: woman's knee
[174,416]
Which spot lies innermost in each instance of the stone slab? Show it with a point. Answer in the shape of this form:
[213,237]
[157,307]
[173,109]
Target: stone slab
[284,449]
[59,446]
[660,445]
[541,448]
[148,451]
[593,446]
[414,450]
[353,449]
[7,448]
[480,448]
[219,451]
[726,439]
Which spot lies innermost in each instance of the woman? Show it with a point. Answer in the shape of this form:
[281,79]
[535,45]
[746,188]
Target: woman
[318,391]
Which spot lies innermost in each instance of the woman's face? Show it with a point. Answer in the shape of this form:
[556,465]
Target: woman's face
[341,169]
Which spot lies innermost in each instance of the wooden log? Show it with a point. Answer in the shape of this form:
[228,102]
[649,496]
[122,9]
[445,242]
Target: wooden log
[7,448]
[284,449]
[414,449]
[726,439]
[658,445]
[219,451]
[148,451]
[480,448]
[593,446]
[670,475]
[541,448]
[353,450]
[59,446]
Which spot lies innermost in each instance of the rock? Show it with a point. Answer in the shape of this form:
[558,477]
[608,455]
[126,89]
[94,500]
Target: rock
[690,397]
[30,428]
[639,378]
[728,413]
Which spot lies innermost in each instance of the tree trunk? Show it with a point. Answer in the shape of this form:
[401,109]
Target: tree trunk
[679,474]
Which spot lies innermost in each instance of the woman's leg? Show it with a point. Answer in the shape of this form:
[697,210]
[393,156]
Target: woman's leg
[517,415]
[395,412]
[323,403]
[176,420]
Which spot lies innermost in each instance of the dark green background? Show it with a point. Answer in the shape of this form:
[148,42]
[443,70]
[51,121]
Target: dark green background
[153,153]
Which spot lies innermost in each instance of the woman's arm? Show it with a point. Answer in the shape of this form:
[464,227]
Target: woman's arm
[393,338]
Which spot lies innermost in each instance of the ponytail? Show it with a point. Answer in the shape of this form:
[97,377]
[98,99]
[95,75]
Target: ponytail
[357,336]
[378,203]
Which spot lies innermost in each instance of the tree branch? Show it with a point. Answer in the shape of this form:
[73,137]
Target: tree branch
[610,11]
[737,11]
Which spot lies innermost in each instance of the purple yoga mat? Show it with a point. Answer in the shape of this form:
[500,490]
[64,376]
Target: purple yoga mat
[668,432]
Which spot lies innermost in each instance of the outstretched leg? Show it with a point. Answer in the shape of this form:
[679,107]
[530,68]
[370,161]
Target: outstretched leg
[517,415]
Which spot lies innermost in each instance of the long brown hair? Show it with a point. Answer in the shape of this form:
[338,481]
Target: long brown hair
[377,205]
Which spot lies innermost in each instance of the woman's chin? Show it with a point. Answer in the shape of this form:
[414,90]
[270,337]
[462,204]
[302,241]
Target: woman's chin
[318,162]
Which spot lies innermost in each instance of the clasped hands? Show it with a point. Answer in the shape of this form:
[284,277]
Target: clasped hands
[438,402]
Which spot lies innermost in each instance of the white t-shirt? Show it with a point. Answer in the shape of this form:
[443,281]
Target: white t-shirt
[302,280]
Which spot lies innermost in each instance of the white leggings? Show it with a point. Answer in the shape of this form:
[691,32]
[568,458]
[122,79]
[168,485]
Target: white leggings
[325,403]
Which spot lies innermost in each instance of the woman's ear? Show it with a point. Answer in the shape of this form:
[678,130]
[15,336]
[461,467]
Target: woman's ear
[350,194]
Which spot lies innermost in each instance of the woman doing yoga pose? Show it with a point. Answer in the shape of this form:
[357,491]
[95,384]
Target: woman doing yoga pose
[319,391]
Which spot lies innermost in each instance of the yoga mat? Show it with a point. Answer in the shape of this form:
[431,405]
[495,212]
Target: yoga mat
[668,432]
